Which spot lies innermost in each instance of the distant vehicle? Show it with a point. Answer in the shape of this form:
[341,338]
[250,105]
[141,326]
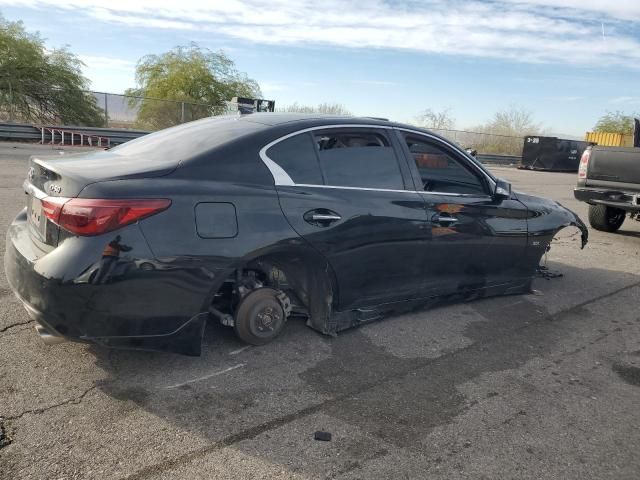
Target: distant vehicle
[551,153]
[251,219]
[609,181]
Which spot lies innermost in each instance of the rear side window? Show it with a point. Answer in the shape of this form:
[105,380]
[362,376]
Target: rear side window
[296,156]
[357,158]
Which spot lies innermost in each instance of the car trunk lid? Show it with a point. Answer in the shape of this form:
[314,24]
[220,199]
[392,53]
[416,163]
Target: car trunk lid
[52,178]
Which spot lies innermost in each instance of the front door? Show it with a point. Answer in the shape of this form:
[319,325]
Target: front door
[351,196]
[477,241]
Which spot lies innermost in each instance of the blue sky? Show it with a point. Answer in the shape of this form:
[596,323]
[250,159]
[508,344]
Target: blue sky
[567,61]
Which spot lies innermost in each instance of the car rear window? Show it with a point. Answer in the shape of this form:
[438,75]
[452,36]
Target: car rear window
[190,139]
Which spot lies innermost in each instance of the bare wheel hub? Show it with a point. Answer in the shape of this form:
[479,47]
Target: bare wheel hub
[267,318]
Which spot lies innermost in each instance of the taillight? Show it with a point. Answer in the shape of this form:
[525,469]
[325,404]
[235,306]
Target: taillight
[584,164]
[52,206]
[89,216]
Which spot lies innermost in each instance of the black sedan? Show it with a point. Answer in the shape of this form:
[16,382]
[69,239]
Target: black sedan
[249,220]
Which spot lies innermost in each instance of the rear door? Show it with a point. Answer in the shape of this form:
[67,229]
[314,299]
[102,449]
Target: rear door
[346,191]
[476,241]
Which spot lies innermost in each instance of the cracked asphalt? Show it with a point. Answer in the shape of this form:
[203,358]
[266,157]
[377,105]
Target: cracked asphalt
[535,386]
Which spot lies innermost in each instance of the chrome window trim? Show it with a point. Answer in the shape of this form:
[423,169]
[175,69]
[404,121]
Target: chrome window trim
[282,178]
[367,189]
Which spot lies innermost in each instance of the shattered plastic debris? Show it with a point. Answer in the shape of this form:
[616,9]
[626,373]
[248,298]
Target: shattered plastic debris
[544,272]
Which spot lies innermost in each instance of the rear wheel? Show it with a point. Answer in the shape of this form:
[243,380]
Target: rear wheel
[260,316]
[606,219]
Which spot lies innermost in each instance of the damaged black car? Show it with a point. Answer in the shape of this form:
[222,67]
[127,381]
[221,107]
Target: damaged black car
[253,219]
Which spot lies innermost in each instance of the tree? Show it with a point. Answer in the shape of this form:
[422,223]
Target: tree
[201,78]
[436,120]
[325,108]
[615,122]
[503,134]
[42,85]
[514,122]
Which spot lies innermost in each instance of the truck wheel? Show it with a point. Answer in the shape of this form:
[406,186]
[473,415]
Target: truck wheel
[606,219]
[260,317]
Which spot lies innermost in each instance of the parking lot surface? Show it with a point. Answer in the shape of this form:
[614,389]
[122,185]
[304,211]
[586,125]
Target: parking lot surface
[545,385]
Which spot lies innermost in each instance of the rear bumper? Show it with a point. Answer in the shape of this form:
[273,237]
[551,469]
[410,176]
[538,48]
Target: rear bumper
[135,308]
[611,198]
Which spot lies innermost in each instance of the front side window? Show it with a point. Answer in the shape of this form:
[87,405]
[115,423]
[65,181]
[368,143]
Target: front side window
[297,157]
[358,158]
[440,171]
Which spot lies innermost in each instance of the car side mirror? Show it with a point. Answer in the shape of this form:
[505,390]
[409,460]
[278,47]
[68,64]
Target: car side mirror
[502,190]
[472,152]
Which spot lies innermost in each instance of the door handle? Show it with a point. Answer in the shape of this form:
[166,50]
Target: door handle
[325,217]
[445,220]
[321,217]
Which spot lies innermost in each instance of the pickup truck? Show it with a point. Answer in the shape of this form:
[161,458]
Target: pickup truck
[609,181]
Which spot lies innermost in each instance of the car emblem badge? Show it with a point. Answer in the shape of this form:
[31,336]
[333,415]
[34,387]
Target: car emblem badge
[55,188]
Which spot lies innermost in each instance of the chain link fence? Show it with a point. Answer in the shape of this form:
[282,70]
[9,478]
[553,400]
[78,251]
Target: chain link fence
[113,110]
[126,111]
[484,143]
[144,113]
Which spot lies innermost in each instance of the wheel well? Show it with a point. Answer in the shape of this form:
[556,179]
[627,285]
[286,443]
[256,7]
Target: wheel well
[307,282]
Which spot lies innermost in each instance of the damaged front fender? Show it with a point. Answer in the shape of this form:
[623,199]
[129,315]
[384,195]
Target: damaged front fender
[545,219]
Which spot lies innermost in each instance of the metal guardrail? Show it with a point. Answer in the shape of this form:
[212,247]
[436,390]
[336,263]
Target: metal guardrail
[505,160]
[22,131]
[11,131]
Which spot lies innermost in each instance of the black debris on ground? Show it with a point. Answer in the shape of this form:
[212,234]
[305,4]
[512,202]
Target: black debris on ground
[544,272]
[628,368]
[4,438]
[322,436]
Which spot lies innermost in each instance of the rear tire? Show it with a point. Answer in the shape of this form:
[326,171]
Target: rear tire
[606,219]
[260,317]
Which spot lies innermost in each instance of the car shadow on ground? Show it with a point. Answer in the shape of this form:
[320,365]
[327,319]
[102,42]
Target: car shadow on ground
[628,233]
[235,393]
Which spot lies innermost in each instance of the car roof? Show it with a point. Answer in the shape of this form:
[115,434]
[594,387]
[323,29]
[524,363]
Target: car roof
[274,119]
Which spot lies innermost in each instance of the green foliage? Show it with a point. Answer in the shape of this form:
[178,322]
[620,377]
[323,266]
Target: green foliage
[615,122]
[201,78]
[37,85]
[325,108]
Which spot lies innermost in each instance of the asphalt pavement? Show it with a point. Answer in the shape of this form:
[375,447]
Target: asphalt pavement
[535,386]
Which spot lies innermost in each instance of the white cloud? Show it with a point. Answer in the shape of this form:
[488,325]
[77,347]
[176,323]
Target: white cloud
[625,101]
[557,31]
[110,63]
